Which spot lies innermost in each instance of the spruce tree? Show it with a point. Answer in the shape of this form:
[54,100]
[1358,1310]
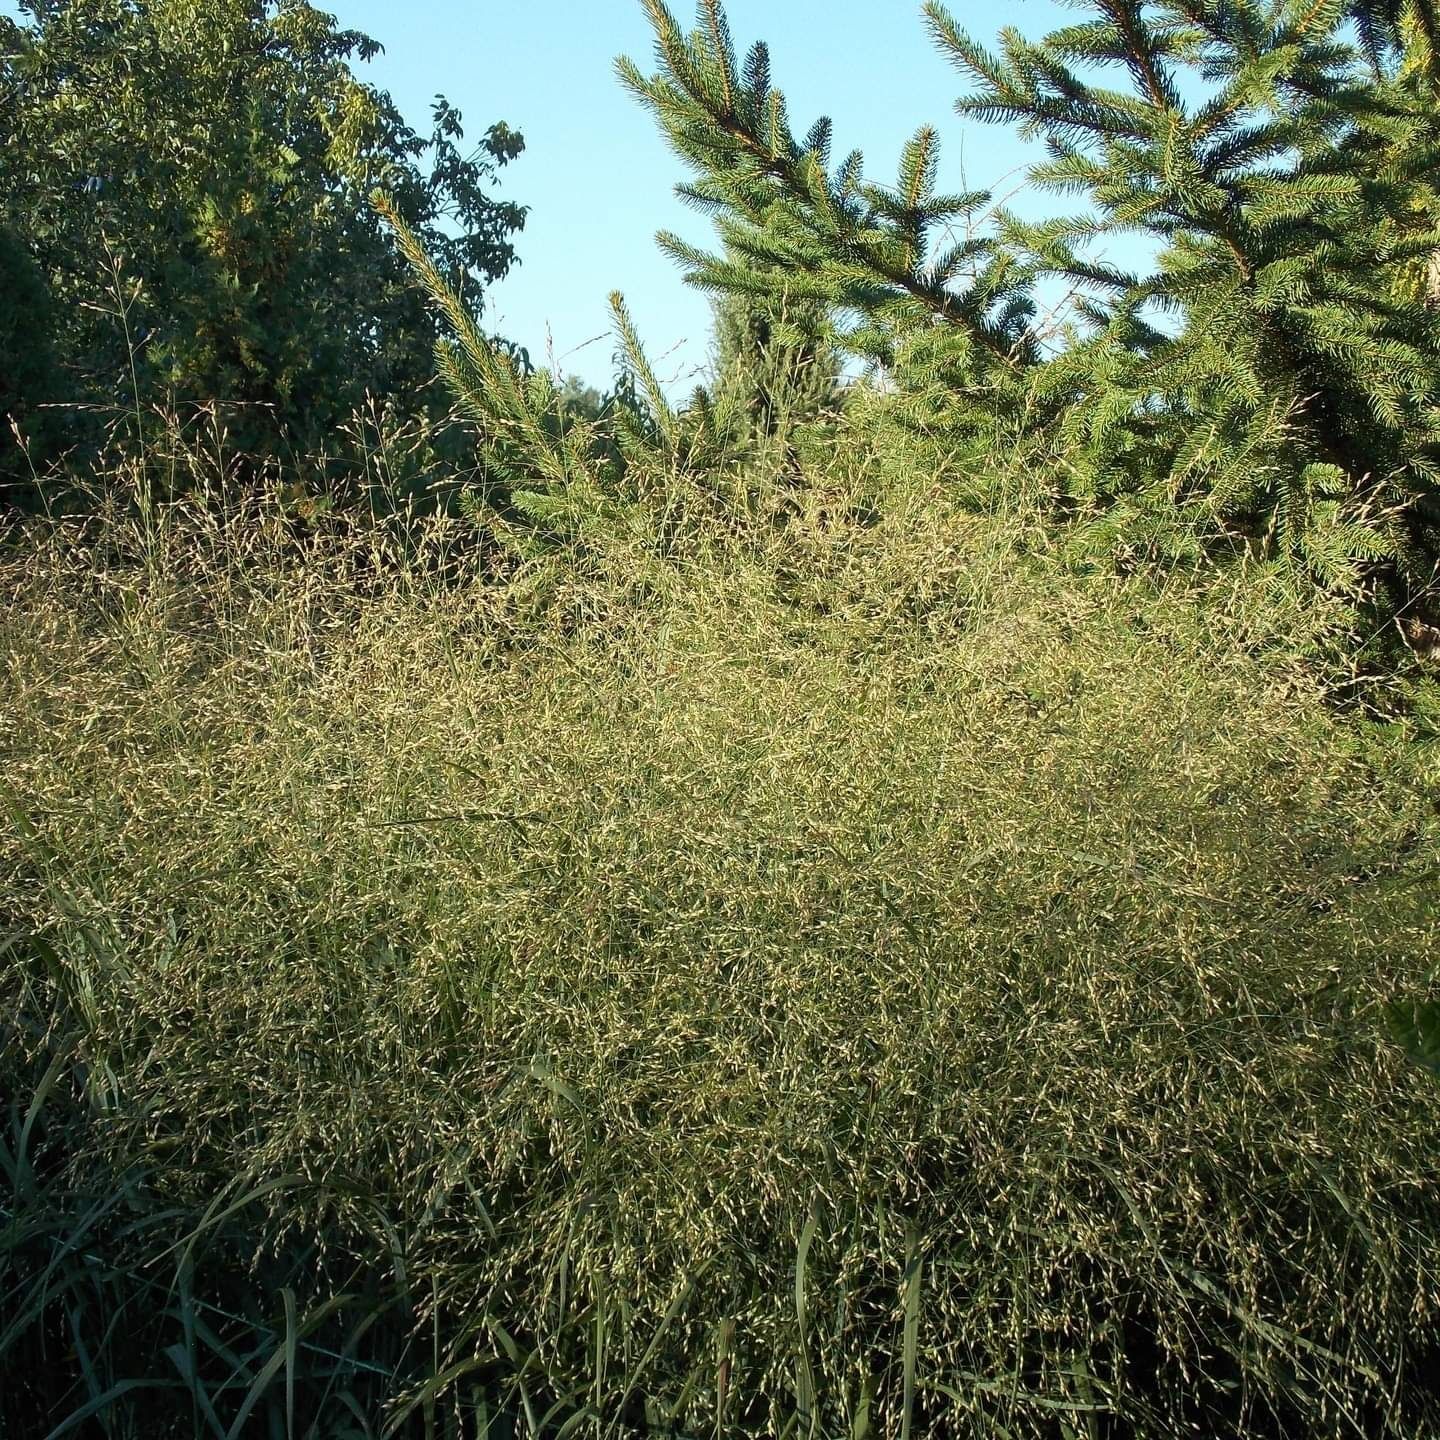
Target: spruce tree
[1266,378]
[799,230]
[553,479]
[1292,388]
[776,353]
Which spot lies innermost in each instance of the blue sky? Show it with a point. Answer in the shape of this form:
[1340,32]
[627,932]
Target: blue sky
[596,174]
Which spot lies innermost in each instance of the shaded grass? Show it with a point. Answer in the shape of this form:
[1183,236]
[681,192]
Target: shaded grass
[855,978]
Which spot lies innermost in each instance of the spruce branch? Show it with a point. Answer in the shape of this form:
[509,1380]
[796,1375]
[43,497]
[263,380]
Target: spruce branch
[639,368]
[870,247]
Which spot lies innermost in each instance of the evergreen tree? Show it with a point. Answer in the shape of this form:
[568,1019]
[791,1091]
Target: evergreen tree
[551,476]
[1267,377]
[798,231]
[1291,390]
[1399,39]
[1399,33]
[630,472]
[773,360]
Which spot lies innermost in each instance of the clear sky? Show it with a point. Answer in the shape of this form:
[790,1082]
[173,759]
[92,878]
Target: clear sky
[596,174]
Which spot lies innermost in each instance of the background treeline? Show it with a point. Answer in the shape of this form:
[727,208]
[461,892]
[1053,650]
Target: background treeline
[894,897]
[187,225]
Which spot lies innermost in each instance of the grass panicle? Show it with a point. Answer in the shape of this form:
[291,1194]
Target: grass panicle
[864,979]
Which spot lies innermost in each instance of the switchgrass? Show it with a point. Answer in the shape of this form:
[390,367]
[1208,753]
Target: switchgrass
[860,980]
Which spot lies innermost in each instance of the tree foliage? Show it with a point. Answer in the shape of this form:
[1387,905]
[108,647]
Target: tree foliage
[29,376]
[775,352]
[797,228]
[198,169]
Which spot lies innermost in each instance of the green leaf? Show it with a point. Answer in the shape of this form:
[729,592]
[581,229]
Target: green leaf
[1415,1027]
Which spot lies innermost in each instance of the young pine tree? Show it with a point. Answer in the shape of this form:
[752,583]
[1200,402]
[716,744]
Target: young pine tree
[555,479]
[774,352]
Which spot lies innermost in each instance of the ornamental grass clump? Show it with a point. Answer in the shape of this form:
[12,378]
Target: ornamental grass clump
[860,980]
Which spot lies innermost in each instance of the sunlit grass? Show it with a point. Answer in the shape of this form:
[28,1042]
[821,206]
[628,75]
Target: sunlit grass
[860,973]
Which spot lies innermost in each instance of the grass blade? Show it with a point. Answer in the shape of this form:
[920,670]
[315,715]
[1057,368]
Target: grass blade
[804,1374]
[910,1309]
